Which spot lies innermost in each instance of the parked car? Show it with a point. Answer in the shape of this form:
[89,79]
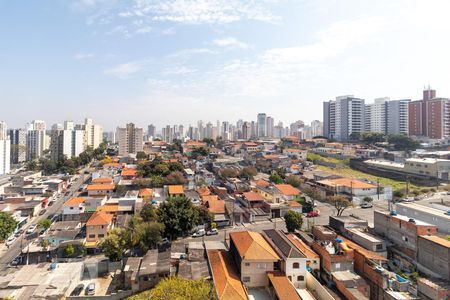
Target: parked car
[366,205]
[90,289]
[16,261]
[312,214]
[55,218]
[31,229]
[199,233]
[51,203]
[77,290]
[43,211]
[213,232]
[11,240]
[19,232]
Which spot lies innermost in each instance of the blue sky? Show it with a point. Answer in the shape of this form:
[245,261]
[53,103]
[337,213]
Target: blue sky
[178,61]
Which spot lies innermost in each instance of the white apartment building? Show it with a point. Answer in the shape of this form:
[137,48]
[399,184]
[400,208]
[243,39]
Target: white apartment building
[94,133]
[343,116]
[18,138]
[68,143]
[376,115]
[130,138]
[5,147]
[36,144]
[387,116]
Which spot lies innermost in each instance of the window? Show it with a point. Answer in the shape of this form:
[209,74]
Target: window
[101,235]
[103,226]
[92,236]
[296,265]
[290,278]
[71,207]
[301,278]
[246,279]
[261,266]
[247,264]
[379,247]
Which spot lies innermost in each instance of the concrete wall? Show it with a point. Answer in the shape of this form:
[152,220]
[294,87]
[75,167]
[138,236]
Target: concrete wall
[434,257]
[316,288]
[257,271]
[442,222]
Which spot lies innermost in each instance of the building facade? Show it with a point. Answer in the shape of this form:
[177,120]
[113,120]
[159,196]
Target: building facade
[130,139]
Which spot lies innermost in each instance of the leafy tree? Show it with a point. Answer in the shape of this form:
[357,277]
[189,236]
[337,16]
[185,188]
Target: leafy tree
[371,138]
[176,146]
[175,166]
[201,151]
[157,181]
[44,224]
[7,225]
[69,250]
[341,203]
[368,199]
[114,244]
[44,244]
[141,155]
[143,183]
[403,142]
[213,225]
[178,216]
[398,194]
[249,172]
[209,142]
[313,194]
[31,165]
[178,288]
[275,178]
[147,235]
[161,169]
[228,173]
[174,178]
[293,180]
[148,213]
[120,190]
[294,221]
[355,136]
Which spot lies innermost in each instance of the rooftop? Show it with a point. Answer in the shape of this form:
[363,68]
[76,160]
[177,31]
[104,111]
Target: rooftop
[155,262]
[175,189]
[426,209]
[305,249]
[285,246]
[74,201]
[252,246]
[94,187]
[252,196]
[438,240]
[287,189]
[102,180]
[282,286]
[99,218]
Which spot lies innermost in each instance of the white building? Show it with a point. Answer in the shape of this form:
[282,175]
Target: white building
[94,133]
[376,115]
[316,128]
[18,139]
[5,148]
[130,138]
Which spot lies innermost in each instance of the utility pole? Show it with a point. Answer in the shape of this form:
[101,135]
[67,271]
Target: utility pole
[378,188]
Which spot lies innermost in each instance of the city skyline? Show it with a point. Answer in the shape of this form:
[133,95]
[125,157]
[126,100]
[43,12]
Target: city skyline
[78,58]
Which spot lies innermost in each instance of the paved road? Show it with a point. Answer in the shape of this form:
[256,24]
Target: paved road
[22,241]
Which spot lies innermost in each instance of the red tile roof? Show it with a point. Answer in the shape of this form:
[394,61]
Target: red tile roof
[74,201]
[99,218]
[252,196]
[287,189]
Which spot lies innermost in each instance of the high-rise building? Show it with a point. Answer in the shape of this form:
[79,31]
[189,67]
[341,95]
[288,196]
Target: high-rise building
[261,125]
[5,146]
[343,116]
[316,128]
[375,115]
[94,133]
[68,143]
[270,126]
[69,125]
[36,139]
[18,138]
[246,131]
[151,131]
[130,138]
[397,113]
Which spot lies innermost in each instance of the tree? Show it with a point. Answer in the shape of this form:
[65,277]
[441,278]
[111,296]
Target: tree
[275,178]
[367,199]
[148,213]
[293,180]
[313,194]
[341,203]
[228,173]
[44,224]
[44,244]
[201,151]
[399,194]
[403,142]
[209,142]
[174,178]
[161,169]
[69,250]
[175,166]
[31,165]
[179,288]
[294,221]
[7,225]
[114,244]
[371,138]
[249,172]
[178,216]
[147,235]
[141,155]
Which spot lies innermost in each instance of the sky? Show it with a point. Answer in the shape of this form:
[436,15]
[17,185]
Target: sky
[179,61]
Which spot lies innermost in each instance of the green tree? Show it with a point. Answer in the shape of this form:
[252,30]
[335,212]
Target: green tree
[367,199]
[147,235]
[69,250]
[313,194]
[249,172]
[44,224]
[175,166]
[371,138]
[161,169]
[403,142]
[228,173]
[141,155]
[148,213]
[177,288]
[114,244]
[7,225]
[201,151]
[341,203]
[294,180]
[178,216]
[275,178]
[294,221]
[174,178]
[31,165]
[44,244]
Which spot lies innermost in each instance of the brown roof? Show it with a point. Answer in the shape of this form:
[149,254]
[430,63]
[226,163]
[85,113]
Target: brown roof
[102,180]
[294,203]
[94,187]
[355,183]
[262,182]
[252,246]
[308,252]
[203,191]
[225,276]
[437,240]
[99,218]
[110,208]
[74,201]
[214,204]
[145,192]
[176,189]
[111,165]
[128,172]
[287,189]
[282,286]
[367,253]
[252,196]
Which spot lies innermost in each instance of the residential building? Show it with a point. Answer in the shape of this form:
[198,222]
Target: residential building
[343,116]
[18,138]
[397,116]
[433,254]
[254,257]
[130,139]
[36,144]
[175,190]
[5,148]
[316,128]
[72,209]
[270,126]
[155,266]
[376,115]
[68,143]
[151,131]
[262,125]
[97,227]
[100,190]
[427,214]
[93,133]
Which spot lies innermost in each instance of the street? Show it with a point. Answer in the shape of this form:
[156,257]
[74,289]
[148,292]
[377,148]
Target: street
[8,254]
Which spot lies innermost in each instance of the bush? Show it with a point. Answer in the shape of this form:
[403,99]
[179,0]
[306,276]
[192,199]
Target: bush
[433,190]
[398,194]
[424,191]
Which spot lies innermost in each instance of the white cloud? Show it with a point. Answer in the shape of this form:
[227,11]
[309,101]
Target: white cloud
[181,70]
[124,70]
[230,42]
[143,30]
[168,31]
[82,56]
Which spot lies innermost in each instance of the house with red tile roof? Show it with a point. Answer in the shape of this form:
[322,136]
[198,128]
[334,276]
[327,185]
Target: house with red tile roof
[97,227]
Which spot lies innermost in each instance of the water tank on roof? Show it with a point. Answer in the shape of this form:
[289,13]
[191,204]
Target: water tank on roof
[393,213]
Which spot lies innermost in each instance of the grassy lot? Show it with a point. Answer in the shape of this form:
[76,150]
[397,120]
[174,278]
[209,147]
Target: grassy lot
[348,172]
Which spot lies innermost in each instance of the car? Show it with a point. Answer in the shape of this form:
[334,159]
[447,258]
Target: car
[90,289]
[31,229]
[16,261]
[11,240]
[50,203]
[213,231]
[199,233]
[42,212]
[55,218]
[312,214]
[77,290]
[19,232]
[42,232]
[366,205]
[50,216]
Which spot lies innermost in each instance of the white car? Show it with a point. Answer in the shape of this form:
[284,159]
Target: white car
[31,229]
[199,233]
[11,240]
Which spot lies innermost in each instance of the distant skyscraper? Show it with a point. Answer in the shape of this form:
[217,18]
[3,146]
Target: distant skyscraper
[151,131]
[343,116]
[316,128]
[262,124]
[69,125]
[36,139]
[397,115]
[5,147]
[94,133]
[130,139]
[375,114]
[270,126]
[18,139]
